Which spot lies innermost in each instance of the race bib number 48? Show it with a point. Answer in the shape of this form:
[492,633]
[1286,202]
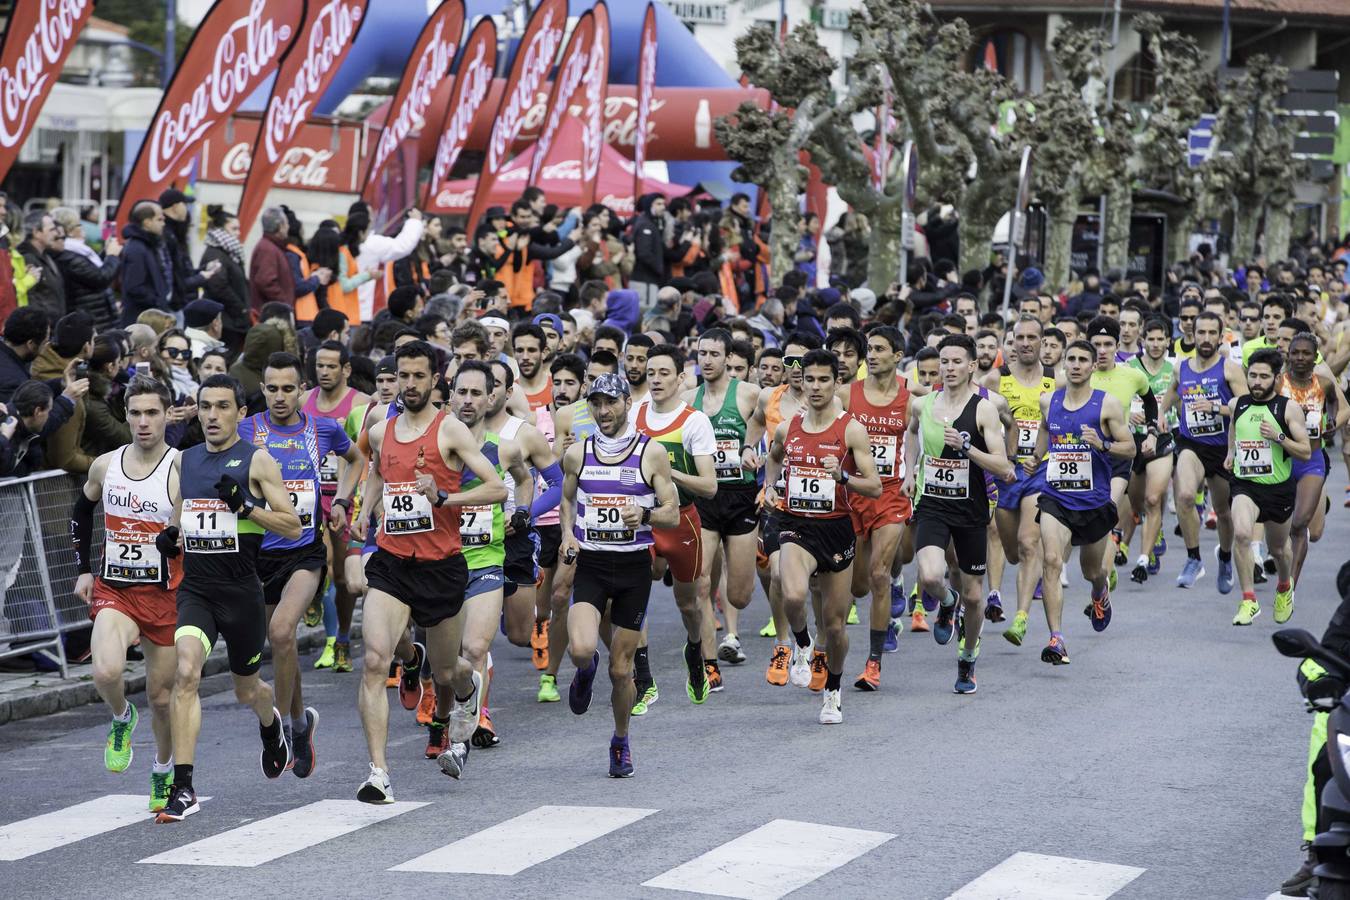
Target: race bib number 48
[406,509]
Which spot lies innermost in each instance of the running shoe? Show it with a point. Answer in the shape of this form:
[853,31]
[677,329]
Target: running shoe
[1153,567]
[161,786]
[831,709]
[729,651]
[276,756]
[1224,581]
[1211,520]
[799,670]
[714,677]
[1192,572]
[342,657]
[993,607]
[913,597]
[1247,611]
[375,789]
[464,713]
[485,735]
[892,642]
[395,674]
[579,694]
[777,672]
[427,707]
[438,741]
[620,758]
[819,670]
[303,746]
[410,680]
[1160,545]
[697,685]
[452,761]
[870,679]
[898,597]
[1055,652]
[314,613]
[965,676]
[769,630]
[1015,632]
[325,660]
[539,645]
[1269,565]
[1258,574]
[1112,579]
[649,696]
[1039,593]
[1139,574]
[1100,611]
[1284,605]
[548,689]
[181,804]
[852,615]
[946,619]
[1297,885]
[1116,537]
[929,603]
[918,622]
[117,752]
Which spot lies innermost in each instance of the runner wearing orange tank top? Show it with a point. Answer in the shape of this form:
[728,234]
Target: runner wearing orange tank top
[536,384]
[418,571]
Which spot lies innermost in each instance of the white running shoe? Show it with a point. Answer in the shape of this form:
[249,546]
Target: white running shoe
[376,788]
[464,716]
[729,651]
[831,709]
[799,670]
[452,761]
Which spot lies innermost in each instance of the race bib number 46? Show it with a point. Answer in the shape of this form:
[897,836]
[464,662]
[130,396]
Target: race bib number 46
[946,479]
[810,490]
[406,509]
[209,527]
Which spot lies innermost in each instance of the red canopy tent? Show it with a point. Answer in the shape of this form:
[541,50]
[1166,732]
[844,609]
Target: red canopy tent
[560,178]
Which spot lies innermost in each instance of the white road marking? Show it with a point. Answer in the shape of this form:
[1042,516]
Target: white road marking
[1032,876]
[19,840]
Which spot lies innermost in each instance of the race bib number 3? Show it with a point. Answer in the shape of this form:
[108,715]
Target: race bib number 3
[603,522]
[1027,432]
[1070,470]
[1253,458]
[303,499]
[946,479]
[131,556]
[810,490]
[209,527]
[884,456]
[406,509]
[727,460]
[475,526]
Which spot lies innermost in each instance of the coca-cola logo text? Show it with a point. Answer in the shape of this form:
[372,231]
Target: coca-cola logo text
[475,81]
[574,68]
[621,120]
[646,87]
[591,134]
[300,166]
[330,34]
[533,68]
[36,63]
[432,66]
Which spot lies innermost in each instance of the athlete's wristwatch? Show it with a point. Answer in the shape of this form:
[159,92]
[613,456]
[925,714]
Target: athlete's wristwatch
[646,515]
[1279,437]
[441,497]
[843,477]
[344,503]
[965,443]
[246,510]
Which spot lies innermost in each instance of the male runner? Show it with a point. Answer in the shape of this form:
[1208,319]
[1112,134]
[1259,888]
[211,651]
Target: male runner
[848,346]
[419,458]
[635,365]
[292,570]
[1151,470]
[134,592]
[1267,430]
[960,437]
[740,359]
[822,455]
[1052,349]
[1081,428]
[227,493]
[614,494]
[536,382]
[1131,319]
[770,368]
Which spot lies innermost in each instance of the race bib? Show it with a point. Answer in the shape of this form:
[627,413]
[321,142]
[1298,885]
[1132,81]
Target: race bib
[1137,409]
[884,455]
[328,473]
[1027,432]
[406,509]
[1313,417]
[810,490]
[946,479]
[1070,470]
[603,521]
[1253,458]
[1201,423]
[303,499]
[131,556]
[475,526]
[209,527]
[727,460]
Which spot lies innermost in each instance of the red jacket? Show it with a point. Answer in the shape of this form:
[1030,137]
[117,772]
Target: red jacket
[270,278]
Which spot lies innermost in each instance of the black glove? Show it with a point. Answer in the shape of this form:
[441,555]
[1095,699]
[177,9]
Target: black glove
[166,542]
[229,492]
[1324,693]
[520,520]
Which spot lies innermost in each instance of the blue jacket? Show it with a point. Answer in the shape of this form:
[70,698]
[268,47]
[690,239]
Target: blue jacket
[146,274]
[622,310]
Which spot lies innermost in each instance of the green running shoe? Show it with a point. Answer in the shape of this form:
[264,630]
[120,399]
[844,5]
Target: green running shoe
[1284,605]
[160,784]
[325,660]
[852,615]
[1247,610]
[314,613]
[1015,632]
[649,696]
[769,631]
[548,689]
[1111,579]
[117,754]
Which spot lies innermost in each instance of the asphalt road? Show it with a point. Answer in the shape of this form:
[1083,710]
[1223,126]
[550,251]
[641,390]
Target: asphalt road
[1165,762]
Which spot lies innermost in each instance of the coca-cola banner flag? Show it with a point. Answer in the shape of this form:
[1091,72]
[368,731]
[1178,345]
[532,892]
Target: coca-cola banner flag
[646,87]
[411,108]
[468,97]
[323,156]
[534,58]
[37,41]
[593,90]
[329,30]
[571,71]
[236,48]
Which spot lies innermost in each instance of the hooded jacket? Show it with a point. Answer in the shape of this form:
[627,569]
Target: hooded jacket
[147,273]
[622,310]
[105,422]
[650,265]
[49,293]
[64,450]
[262,341]
[89,284]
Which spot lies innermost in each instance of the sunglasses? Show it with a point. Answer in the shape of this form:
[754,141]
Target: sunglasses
[1250,318]
[439,404]
[175,353]
[792,362]
[1187,318]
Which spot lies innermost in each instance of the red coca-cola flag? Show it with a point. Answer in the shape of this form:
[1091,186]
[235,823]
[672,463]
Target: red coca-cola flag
[534,58]
[329,30]
[37,41]
[593,90]
[571,70]
[646,87]
[468,97]
[411,108]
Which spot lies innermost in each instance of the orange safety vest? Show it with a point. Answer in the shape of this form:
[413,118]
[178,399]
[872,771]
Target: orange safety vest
[306,305]
[346,302]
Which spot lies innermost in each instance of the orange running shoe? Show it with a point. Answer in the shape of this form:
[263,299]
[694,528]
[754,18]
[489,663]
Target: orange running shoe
[778,665]
[395,673]
[818,670]
[438,739]
[714,677]
[870,679]
[426,708]
[918,621]
[539,645]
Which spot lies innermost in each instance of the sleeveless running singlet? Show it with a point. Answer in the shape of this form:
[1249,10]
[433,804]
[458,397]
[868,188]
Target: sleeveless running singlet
[950,484]
[885,429]
[811,490]
[1203,427]
[482,529]
[1312,400]
[729,428]
[603,489]
[218,544]
[1255,458]
[135,511]
[299,450]
[1025,404]
[412,527]
[1076,475]
[328,471]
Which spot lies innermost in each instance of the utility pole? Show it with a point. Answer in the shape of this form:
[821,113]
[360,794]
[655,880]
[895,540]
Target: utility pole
[1110,102]
[170,38]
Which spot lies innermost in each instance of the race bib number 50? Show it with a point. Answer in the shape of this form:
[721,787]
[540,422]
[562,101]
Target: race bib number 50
[603,522]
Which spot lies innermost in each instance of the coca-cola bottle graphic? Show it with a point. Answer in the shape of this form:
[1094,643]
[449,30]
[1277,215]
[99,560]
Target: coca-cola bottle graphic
[703,124]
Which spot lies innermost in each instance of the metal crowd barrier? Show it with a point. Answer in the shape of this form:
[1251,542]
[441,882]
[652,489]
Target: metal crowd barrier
[37,566]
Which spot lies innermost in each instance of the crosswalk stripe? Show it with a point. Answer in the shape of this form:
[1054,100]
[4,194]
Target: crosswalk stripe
[1031,876]
[771,861]
[19,840]
[280,835]
[527,840]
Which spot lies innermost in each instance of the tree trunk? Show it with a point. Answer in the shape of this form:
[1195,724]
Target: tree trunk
[783,238]
[977,234]
[1279,229]
[885,247]
[1115,231]
[1180,223]
[1059,239]
[1246,220]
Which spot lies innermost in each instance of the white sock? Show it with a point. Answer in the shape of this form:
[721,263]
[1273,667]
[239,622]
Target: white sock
[126,712]
[1141,561]
[160,768]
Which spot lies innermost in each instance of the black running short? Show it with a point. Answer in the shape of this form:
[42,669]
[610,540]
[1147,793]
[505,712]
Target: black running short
[520,568]
[275,568]
[433,590]
[829,541]
[550,540]
[618,580]
[1088,526]
[1140,462]
[1211,456]
[1274,502]
[735,510]
[231,611]
[971,542]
